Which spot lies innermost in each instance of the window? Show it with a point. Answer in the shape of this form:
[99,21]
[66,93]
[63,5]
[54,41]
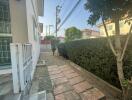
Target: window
[5,33]
[5,58]
[121,24]
[110,27]
[113,32]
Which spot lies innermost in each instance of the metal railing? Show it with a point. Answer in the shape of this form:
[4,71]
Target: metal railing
[21,58]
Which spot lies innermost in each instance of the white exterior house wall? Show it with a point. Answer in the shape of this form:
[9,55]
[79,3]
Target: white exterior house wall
[18,21]
[33,34]
[24,14]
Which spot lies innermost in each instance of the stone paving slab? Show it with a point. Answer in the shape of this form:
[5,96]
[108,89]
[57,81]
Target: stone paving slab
[93,94]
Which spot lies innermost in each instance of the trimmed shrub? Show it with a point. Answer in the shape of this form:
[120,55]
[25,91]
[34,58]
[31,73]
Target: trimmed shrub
[96,56]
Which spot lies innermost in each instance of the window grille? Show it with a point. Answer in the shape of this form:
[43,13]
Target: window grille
[5,33]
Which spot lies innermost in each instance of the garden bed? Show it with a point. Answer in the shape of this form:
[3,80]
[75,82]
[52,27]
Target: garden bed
[109,90]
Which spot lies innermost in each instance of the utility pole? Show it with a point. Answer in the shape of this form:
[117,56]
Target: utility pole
[46,30]
[58,8]
[49,28]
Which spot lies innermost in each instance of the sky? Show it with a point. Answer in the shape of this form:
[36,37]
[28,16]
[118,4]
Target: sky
[78,18]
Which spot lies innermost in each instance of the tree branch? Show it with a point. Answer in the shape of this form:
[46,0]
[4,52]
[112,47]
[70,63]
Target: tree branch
[109,40]
[126,43]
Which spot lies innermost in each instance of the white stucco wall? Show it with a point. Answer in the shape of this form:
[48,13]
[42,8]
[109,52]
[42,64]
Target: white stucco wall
[32,14]
[23,15]
[18,21]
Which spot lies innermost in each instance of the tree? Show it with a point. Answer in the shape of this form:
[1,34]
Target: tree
[72,33]
[49,37]
[114,11]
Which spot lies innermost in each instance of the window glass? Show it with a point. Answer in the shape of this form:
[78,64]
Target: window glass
[5,58]
[110,27]
[121,24]
[113,32]
[5,33]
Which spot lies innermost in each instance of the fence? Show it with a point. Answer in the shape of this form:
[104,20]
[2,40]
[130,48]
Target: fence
[21,58]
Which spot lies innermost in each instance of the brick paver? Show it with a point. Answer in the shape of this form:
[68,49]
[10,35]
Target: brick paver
[93,94]
[56,76]
[71,75]
[62,88]
[71,95]
[60,97]
[69,85]
[82,87]
[68,71]
[55,72]
[53,68]
[76,80]
[59,81]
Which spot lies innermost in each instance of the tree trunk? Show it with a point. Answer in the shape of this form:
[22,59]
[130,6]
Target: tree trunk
[118,57]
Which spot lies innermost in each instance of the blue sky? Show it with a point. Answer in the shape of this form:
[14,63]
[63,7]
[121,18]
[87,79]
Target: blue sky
[78,18]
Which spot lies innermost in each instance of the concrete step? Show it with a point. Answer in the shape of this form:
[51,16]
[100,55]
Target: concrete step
[5,78]
[38,96]
[41,96]
[6,88]
[11,97]
[50,96]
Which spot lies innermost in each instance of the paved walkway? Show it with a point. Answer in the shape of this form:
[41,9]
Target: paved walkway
[62,82]
[69,85]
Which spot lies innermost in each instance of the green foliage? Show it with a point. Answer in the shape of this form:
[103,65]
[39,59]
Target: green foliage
[50,37]
[95,56]
[108,9]
[72,34]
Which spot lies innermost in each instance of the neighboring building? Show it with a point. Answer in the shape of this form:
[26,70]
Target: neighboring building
[19,24]
[88,33]
[45,45]
[61,39]
[124,28]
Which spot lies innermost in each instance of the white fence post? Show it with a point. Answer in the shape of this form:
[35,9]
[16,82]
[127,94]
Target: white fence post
[21,66]
[15,69]
[21,57]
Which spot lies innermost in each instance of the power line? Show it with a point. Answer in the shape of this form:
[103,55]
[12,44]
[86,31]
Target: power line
[78,10]
[70,13]
[66,8]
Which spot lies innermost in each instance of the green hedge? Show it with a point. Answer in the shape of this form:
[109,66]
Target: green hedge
[96,56]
